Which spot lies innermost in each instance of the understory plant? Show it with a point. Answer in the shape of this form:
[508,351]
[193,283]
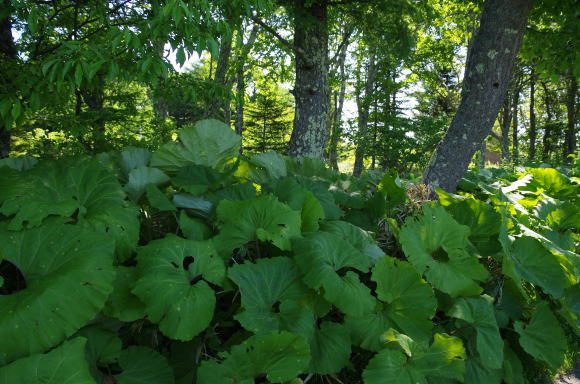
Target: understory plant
[194,264]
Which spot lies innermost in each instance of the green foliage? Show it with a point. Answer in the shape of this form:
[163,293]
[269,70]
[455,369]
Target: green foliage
[240,270]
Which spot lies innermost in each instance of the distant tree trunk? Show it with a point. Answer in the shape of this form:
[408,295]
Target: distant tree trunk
[505,123]
[94,98]
[549,127]
[515,144]
[336,126]
[482,152]
[572,94]
[8,55]
[363,106]
[533,132]
[241,82]
[310,132]
[488,71]
[218,107]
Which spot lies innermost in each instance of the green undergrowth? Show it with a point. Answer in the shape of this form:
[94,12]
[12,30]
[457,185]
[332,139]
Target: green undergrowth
[194,264]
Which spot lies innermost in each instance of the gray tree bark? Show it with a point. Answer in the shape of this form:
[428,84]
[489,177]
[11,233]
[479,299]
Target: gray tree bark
[549,128]
[505,123]
[363,106]
[487,75]
[571,96]
[515,139]
[7,57]
[218,107]
[310,133]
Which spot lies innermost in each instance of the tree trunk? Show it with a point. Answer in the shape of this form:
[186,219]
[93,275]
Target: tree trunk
[94,98]
[218,108]
[505,130]
[515,144]
[533,133]
[336,127]
[488,71]
[310,132]
[549,128]
[363,104]
[8,55]
[572,94]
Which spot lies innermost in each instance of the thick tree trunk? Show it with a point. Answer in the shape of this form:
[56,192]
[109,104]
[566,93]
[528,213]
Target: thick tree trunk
[572,94]
[336,126]
[310,133]
[487,75]
[363,106]
[8,54]
[505,123]
[533,133]
[515,144]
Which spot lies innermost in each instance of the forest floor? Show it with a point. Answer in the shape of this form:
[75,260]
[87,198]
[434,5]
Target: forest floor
[572,377]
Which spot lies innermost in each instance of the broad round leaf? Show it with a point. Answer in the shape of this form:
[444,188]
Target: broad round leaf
[479,312]
[437,246]
[122,303]
[262,285]
[543,337]
[69,275]
[320,256]
[280,355]
[263,218]
[143,365]
[173,284]
[63,365]
[208,142]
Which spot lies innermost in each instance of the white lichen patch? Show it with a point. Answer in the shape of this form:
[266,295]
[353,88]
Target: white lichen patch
[492,54]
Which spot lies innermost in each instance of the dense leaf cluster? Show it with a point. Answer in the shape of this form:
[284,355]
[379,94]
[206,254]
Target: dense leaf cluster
[196,265]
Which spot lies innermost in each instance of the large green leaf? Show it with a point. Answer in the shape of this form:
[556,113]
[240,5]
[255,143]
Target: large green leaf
[409,305]
[132,158]
[330,348]
[263,218]
[69,276]
[63,365]
[262,285]
[79,188]
[553,182]
[437,246]
[141,365]
[122,303]
[543,337]
[173,285]
[321,256]
[526,258]
[355,236]
[263,168]
[417,363]
[140,177]
[479,312]
[478,373]
[280,355]
[289,191]
[209,142]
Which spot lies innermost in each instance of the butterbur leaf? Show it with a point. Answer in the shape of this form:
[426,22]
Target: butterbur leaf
[543,337]
[410,304]
[478,373]
[553,182]
[264,168]
[262,285]
[479,312]
[437,246]
[140,177]
[513,372]
[280,355]
[355,236]
[210,143]
[69,275]
[63,365]
[132,158]
[417,363]
[193,228]
[173,285]
[392,188]
[158,200]
[122,303]
[330,348]
[263,218]
[141,365]
[320,256]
